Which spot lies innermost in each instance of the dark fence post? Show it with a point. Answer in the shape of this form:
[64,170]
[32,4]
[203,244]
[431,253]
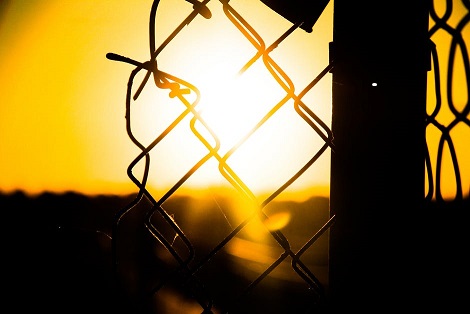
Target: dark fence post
[380,52]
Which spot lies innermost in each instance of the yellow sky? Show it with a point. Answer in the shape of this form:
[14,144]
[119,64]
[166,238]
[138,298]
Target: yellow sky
[460,133]
[63,103]
[62,113]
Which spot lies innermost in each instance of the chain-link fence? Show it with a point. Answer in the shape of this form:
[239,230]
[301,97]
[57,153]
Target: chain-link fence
[237,253]
[222,255]
[447,119]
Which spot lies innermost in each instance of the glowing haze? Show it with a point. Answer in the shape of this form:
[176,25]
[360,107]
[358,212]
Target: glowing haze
[63,102]
[62,118]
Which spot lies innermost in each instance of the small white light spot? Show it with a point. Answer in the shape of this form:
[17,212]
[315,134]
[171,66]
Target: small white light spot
[374,84]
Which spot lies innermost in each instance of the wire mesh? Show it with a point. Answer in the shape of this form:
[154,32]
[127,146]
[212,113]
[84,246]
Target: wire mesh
[189,258]
[197,264]
[448,107]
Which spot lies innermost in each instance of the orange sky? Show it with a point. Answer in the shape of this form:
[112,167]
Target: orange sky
[62,124]
[63,102]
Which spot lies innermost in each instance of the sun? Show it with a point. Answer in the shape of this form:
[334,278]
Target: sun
[234,105]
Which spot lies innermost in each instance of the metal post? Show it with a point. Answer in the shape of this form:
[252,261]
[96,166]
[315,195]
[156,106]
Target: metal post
[381,58]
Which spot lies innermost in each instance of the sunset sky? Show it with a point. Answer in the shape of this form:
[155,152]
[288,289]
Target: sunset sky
[62,113]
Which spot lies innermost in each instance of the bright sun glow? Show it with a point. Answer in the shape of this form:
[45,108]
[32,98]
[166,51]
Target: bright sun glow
[234,104]
[261,137]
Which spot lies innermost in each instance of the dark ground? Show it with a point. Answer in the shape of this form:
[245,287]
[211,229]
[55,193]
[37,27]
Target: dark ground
[57,257]
[54,260]
[56,254]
